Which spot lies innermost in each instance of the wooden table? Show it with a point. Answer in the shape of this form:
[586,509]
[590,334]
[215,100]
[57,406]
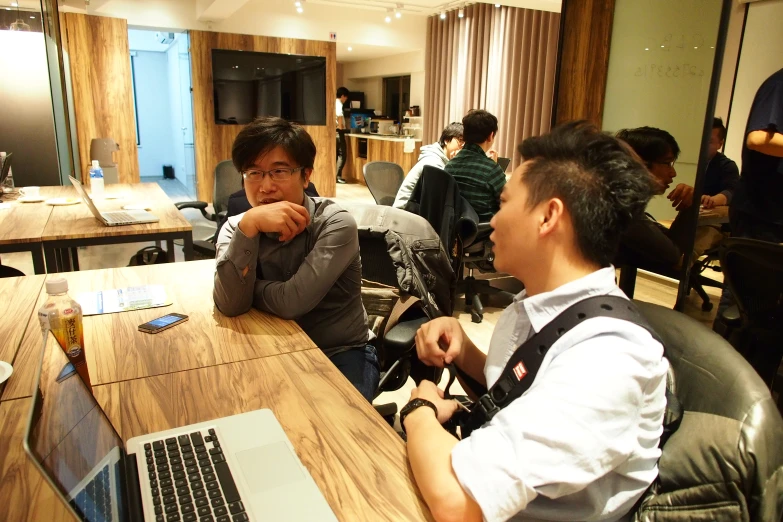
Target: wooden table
[74,225]
[355,458]
[22,226]
[117,351]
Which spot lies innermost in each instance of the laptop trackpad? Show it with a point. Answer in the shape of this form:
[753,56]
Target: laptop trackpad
[269,466]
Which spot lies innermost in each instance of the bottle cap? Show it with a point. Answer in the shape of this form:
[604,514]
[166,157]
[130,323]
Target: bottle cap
[96,163]
[56,286]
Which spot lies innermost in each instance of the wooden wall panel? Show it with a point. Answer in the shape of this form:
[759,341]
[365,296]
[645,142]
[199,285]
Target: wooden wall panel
[99,56]
[213,142]
[586,29]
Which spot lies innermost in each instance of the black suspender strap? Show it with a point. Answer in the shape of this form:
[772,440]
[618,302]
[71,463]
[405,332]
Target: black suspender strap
[521,369]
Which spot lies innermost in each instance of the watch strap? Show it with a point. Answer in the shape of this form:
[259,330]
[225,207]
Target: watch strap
[414,405]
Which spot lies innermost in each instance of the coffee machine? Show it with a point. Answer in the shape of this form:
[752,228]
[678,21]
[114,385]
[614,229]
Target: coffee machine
[101,149]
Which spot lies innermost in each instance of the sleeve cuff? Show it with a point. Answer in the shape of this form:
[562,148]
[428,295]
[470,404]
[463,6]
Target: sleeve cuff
[242,250]
[728,194]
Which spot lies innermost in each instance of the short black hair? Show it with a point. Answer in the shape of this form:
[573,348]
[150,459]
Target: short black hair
[342,91]
[650,144]
[268,132]
[452,130]
[478,125]
[717,123]
[603,187]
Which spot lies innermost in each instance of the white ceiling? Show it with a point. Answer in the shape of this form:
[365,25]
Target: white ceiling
[430,7]
[147,40]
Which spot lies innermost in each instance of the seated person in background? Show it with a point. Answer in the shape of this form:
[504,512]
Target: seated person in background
[436,154]
[646,243]
[294,256]
[582,442]
[722,173]
[480,179]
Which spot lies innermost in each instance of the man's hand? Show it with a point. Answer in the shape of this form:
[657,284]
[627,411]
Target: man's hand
[718,200]
[283,217]
[443,331]
[681,197]
[427,390]
[493,155]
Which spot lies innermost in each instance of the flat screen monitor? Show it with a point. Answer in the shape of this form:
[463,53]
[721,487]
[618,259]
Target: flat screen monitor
[250,84]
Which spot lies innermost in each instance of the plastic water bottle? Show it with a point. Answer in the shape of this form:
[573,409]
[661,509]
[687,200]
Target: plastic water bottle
[8,182]
[63,316]
[96,179]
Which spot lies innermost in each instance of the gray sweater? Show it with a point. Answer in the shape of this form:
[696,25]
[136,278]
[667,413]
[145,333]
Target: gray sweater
[432,154]
[315,278]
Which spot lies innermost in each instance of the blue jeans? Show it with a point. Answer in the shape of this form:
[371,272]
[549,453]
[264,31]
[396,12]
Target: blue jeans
[361,367]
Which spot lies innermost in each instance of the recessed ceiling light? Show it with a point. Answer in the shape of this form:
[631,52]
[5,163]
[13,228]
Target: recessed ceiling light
[235,67]
[299,10]
[32,17]
[497,5]
[350,49]
[461,13]
[14,4]
[298,4]
[443,15]
[646,48]
[387,19]
[695,47]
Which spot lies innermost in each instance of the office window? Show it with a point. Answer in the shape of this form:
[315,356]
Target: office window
[396,96]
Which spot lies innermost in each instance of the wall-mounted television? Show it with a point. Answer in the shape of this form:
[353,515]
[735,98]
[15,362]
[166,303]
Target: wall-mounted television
[248,84]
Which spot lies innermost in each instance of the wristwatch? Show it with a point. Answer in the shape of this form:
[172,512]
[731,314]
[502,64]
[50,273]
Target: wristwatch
[412,406]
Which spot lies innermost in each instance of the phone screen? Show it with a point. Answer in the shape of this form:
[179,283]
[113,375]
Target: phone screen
[166,320]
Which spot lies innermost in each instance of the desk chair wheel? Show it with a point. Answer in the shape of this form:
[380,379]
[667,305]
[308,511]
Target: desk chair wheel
[476,317]
[706,306]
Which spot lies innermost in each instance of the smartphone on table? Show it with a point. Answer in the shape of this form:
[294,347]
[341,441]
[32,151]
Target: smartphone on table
[162,323]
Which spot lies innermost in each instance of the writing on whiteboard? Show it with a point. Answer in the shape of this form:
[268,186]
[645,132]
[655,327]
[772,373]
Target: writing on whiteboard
[673,71]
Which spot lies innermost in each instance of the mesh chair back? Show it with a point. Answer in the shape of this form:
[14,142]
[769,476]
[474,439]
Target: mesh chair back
[754,272]
[227,181]
[384,179]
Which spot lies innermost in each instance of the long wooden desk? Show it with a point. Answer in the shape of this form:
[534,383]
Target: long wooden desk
[355,458]
[22,225]
[74,225]
[117,351]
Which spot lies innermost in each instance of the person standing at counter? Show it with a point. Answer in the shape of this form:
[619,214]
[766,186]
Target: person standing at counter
[342,97]
[436,154]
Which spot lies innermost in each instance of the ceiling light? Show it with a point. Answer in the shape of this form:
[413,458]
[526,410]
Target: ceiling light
[397,14]
[299,10]
[14,4]
[497,5]
[235,67]
[350,49]
[443,15]
[298,4]
[387,19]
[461,13]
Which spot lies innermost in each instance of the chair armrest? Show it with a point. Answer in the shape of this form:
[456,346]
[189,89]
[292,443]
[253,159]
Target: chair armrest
[200,205]
[731,316]
[401,337]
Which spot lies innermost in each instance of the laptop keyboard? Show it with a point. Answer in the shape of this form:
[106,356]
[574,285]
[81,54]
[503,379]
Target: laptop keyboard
[118,216]
[191,481]
[93,503]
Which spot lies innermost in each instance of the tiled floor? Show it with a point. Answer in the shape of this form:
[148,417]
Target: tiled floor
[651,288]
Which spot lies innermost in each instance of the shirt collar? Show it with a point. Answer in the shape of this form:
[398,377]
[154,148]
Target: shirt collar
[544,307]
[474,147]
[309,204]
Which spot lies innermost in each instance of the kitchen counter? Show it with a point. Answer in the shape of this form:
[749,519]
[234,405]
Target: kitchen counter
[365,148]
[383,137]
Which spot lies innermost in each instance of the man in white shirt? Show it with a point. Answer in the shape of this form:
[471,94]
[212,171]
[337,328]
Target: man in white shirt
[342,97]
[582,442]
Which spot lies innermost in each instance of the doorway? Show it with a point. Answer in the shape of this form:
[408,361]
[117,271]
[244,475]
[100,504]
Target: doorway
[160,67]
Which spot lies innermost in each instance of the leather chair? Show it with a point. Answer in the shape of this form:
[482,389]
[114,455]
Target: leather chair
[725,461]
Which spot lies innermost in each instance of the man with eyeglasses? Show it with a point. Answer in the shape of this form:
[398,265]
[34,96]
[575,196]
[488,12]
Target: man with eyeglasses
[294,256]
[646,243]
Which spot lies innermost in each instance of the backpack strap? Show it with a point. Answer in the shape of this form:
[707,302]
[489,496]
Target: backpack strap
[521,369]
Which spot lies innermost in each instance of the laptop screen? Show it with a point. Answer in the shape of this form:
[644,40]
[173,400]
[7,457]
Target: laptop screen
[504,162]
[73,442]
[86,198]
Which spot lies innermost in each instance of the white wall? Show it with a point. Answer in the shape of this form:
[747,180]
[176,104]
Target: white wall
[154,109]
[367,76]
[761,56]
[175,110]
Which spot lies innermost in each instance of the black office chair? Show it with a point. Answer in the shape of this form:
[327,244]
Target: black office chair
[436,197]
[9,271]
[725,460]
[384,179]
[227,181]
[754,273]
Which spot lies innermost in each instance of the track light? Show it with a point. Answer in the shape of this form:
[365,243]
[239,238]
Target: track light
[397,14]
[443,15]
[350,49]
[298,4]
[497,5]
[299,10]
[461,13]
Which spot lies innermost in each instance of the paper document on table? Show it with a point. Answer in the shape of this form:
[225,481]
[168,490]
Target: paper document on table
[123,299]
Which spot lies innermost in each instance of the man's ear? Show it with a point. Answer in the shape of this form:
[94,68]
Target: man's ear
[553,211]
[307,173]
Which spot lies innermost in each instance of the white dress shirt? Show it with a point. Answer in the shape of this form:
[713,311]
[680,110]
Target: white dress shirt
[582,442]
[338,108]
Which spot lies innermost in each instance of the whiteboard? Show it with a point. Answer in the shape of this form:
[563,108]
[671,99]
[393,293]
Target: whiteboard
[660,64]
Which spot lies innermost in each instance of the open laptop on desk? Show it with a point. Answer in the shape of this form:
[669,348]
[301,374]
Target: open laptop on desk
[231,469]
[115,217]
[504,162]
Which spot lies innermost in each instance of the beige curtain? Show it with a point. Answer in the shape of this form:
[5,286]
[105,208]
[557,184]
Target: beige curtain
[498,59]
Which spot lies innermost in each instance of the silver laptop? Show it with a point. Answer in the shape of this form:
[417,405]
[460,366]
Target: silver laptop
[114,218]
[233,469]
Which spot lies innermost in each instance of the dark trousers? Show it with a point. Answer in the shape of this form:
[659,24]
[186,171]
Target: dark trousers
[341,152]
[361,367]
